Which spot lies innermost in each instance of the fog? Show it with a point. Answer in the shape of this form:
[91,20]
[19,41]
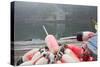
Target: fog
[59,20]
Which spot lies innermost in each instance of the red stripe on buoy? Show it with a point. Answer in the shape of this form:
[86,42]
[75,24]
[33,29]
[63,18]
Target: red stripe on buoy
[29,57]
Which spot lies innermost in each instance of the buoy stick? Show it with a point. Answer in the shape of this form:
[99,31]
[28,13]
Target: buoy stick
[45,30]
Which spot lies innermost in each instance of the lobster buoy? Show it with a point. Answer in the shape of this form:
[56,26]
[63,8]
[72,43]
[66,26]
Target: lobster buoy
[76,49]
[69,56]
[84,36]
[52,43]
[58,62]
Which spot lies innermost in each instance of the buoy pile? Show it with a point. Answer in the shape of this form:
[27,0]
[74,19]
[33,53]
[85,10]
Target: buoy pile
[53,53]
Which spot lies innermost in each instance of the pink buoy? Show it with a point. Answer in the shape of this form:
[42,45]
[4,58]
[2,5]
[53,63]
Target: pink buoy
[52,43]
